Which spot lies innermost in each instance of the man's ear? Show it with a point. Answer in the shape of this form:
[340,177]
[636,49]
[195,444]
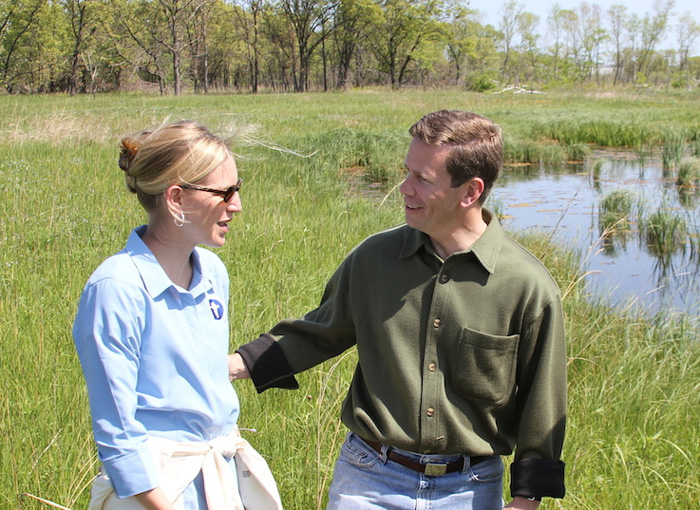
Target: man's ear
[473,190]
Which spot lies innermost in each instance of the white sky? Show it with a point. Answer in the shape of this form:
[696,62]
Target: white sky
[492,8]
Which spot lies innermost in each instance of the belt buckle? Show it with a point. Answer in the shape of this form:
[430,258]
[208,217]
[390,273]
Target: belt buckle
[435,469]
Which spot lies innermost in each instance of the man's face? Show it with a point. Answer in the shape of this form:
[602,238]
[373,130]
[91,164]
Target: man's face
[431,204]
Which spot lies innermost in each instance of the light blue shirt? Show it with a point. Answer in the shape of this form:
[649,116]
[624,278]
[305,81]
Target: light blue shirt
[155,359]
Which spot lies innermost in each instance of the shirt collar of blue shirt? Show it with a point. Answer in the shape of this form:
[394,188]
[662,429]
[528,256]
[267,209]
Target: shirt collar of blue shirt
[154,278]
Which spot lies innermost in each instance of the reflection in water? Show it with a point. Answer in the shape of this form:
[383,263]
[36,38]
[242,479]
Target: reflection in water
[627,266]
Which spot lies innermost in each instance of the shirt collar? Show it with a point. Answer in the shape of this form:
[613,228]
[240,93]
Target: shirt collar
[485,249]
[152,274]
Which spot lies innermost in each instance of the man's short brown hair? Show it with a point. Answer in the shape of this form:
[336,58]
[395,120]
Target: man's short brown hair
[475,142]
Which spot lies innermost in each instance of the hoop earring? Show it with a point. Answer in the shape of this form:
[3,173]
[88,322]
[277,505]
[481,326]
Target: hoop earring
[179,221]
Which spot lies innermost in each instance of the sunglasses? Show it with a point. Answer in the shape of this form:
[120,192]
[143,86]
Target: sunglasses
[225,194]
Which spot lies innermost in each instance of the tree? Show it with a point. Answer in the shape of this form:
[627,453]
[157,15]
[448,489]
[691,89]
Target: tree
[282,59]
[555,30]
[652,30]
[179,14]
[590,38]
[81,16]
[248,17]
[353,23]
[406,25]
[687,32]
[461,33]
[198,44]
[17,19]
[617,15]
[527,31]
[507,25]
[308,19]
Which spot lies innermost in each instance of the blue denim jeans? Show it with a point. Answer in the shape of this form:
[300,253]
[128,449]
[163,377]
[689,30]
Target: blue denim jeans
[365,480]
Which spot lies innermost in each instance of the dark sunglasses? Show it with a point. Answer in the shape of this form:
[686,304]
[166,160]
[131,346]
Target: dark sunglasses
[225,194]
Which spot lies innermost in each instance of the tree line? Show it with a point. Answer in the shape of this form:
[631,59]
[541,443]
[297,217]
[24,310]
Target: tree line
[87,46]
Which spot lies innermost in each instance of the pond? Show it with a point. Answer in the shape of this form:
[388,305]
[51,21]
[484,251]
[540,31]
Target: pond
[624,270]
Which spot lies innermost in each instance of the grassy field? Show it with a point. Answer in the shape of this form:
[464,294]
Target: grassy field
[634,383]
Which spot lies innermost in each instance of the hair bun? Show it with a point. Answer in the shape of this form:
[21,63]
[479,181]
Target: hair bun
[128,149]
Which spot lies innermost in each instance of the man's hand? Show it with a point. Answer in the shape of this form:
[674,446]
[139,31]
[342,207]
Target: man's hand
[236,367]
[522,504]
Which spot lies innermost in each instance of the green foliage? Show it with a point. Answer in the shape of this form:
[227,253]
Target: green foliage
[480,81]
[171,46]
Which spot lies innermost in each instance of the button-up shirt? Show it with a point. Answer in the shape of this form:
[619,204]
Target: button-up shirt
[463,355]
[154,357]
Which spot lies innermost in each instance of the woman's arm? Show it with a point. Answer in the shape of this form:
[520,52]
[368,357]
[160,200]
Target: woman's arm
[154,500]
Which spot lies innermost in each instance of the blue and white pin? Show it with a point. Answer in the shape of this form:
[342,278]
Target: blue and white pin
[217,309]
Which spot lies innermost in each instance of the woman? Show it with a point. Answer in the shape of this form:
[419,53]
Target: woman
[152,332]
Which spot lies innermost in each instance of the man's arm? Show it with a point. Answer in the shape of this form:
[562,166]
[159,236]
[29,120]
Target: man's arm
[537,470]
[263,361]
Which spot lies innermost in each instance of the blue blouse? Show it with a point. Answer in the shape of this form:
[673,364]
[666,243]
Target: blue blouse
[155,359]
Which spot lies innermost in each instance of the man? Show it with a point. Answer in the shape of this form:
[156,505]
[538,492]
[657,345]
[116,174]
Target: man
[460,339]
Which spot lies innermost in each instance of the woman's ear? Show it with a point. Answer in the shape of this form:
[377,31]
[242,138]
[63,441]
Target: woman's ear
[174,200]
[473,190]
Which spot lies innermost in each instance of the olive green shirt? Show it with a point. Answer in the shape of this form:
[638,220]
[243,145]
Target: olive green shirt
[465,355]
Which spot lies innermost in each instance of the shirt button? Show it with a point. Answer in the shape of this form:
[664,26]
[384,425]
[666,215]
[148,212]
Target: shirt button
[432,367]
[430,411]
[436,323]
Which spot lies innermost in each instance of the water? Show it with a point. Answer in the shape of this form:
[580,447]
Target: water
[625,273]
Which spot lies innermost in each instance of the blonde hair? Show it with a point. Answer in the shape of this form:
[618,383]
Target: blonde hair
[182,152]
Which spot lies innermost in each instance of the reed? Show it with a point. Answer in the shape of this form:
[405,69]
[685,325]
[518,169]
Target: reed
[521,151]
[595,170]
[614,211]
[666,233]
[688,173]
[673,150]
[573,131]
[578,151]
[695,147]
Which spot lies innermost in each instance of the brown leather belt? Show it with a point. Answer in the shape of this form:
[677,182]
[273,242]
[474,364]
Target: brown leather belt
[430,469]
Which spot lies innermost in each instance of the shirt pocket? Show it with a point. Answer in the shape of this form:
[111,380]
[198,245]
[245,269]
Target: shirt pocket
[485,366]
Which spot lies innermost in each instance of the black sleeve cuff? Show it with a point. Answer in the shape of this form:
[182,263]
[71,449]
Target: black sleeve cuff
[267,364]
[537,478]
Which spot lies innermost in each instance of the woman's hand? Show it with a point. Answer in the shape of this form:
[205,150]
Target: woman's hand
[237,368]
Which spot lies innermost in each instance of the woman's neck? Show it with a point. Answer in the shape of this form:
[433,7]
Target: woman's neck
[172,255]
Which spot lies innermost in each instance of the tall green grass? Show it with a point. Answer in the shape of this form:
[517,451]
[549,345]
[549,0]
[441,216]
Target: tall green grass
[673,148]
[634,399]
[666,233]
[615,210]
[689,173]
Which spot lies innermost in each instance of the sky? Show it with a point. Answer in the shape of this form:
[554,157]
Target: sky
[492,8]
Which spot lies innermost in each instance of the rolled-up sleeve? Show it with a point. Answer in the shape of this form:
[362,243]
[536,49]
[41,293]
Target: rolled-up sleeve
[107,336]
[537,470]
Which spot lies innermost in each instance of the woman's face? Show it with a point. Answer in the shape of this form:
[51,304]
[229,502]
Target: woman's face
[207,214]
